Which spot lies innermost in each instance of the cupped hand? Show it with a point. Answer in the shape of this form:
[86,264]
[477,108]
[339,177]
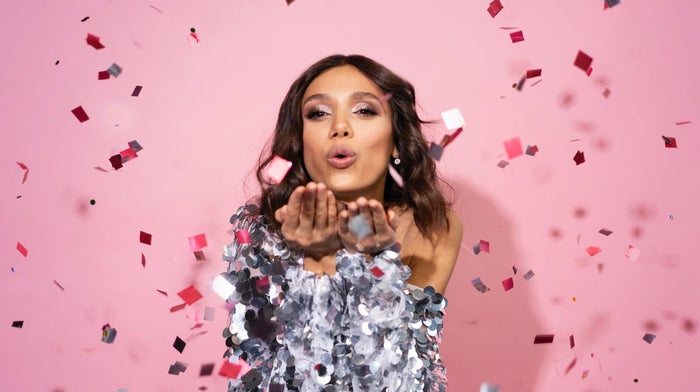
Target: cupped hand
[310,220]
[381,233]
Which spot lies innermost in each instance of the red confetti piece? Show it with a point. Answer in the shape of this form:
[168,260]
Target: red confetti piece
[513,147]
[145,238]
[579,158]
[669,142]
[137,91]
[197,242]
[484,246]
[177,307]
[683,122]
[80,114]
[263,285]
[533,73]
[59,285]
[128,154]
[517,36]
[452,137]
[230,370]
[494,8]
[571,366]
[102,75]
[531,150]
[242,236]
[593,250]
[94,41]
[571,341]
[190,295]
[377,272]
[116,161]
[278,168]
[589,71]
[583,61]
[26,171]
[540,339]
[162,292]
[143,260]
[507,284]
[503,164]
[22,249]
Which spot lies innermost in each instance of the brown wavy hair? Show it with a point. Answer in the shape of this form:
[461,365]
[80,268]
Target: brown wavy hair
[421,190]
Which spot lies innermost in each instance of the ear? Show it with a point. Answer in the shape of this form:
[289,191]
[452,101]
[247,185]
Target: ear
[395,152]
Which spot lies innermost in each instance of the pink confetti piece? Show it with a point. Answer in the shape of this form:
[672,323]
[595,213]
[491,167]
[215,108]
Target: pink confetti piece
[102,75]
[502,164]
[234,370]
[243,236]
[583,61]
[278,168]
[683,122]
[22,249]
[80,114]
[593,250]
[484,246]
[143,260]
[59,285]
[377,272]
[395,175]
[606,92]
[669,142]
[128,154]
[571,366]
[513,147]
[197,242]
[177,307]
[507,284]
[26,171]
[494,8]
[531,150]
[579,158]
[517,36]
[589,71]
[541,339]
[190,295]
[94,41]
[632,253]
[584,374]
[533,73]
[145,238]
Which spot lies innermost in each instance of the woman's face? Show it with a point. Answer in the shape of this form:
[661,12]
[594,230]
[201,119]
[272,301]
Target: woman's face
[347,133]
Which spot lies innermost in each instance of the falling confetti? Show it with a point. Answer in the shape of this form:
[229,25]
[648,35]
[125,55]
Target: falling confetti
[529,275]
[476,282]
[605,232]
[502,164]
[59,285]
[190,295]
[517,36]
[179,344]
[278,168]
[137,91]
[177,307]
[683,122]
[94,41]
[177,368]
[26,171]
[494,8]
[507,284]
[541,339]
[533,73]
[103,75]
[649,338]
[206,370]
[669,142]
[21,249]
[513,147]
[114,70]
[583,61]
[606,92]
[145,238]
[571,341]
[579,158]
[593,250]
[108,334]
[84,19]
[610,3]
[632,253]
[486,387]
[197,242]
[453,119]
[80,114]
[143,260]
[18,324]
[531,150]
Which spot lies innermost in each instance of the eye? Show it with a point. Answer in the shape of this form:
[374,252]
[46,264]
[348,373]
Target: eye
[316,113]
[366,110]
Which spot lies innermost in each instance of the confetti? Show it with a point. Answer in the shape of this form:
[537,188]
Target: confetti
[507,284]
[278,168]
[177,307]
[145,238]
[59,285]
[21,249]
[486,387]
[152,6]
[102,75]
[649,338]
[536,83]
[223,287]
[484,246]
[100,169]
[26,170]
[179,344]
[571,366]
[234,370]
[108,334]
[243,236]
[127,155]
[519,86]
[453,119]
[199,256]
[84,19]
[143,260]
[593,250]
[476,282]
[94,41]
[605,232]
[450,138]
[190,295]
[137,91]
[377,272]
[134,145]
[683,122]
[80,114]
[206,370]
[632,253]
[289,2]
[584,374]
[494,8]
[395,175]
[114,70]
[209,313]
[531,150]
[611,3]
[197,242]
[606,92]
[515,271]
[92,202]
[503,164]
[669,142]
[583,61]
[162,292]
[177,368]
[18,324]
[359,227]
[517,36]
[571,341]
[533,73]
[579,158]
[513,147]
[540,339]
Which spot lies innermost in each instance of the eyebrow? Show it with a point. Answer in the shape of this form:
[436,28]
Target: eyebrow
[355,95]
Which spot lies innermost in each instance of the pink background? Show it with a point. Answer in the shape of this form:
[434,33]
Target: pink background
[206,110]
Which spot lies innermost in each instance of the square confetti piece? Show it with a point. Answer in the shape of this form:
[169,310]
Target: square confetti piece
[632,253]
[579,158]
[206,370]
[484,246]
[479,286]
[197,242]
[80,114]
[230,370]
[177,307]
[583,61]
[135,146]
[541,339]
[494,8]
[517,36]
[145,238]
[529,275]
[513,147]
[114,70]
[649,338]
[102,75]
[94,41]
[116,161]
[278,168]
[199,256]
[593,250]
[209,313]
[453,119]
[177,368]
[435,151]
[17,324]
[669,142]
[143,260]
[531,150]
[179,344]
[533,73]
[223,287]
[486,387]
[605,232]
[190,295]
[611,3]
[502,164]
[128,155]
[21,249]
[243,236]
[377,272]
[137,91]
[507,284]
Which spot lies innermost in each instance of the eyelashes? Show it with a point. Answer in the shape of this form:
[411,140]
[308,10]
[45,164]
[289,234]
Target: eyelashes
[362,110]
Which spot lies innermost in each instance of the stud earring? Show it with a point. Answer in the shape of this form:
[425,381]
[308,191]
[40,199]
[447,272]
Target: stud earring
[396,159]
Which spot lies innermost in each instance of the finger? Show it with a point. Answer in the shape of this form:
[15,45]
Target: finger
[332,210]
[393,221]
[281,214]
[343,219]
[294,207]
[306,217]
[365,212]
[381,225]
[321,219]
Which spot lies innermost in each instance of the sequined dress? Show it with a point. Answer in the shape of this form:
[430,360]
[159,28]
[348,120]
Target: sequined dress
[361,329]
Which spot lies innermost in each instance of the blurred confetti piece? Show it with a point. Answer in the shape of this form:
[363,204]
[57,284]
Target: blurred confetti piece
[453,119]
[234,370]
[435,151]
[513,147]
[579,158]
[134,145]
[611,3]
[80,114]
[154,7]
[541,339]
[605,232]
[450,138]
[519,86]
[486,387]
[197,242]
[515,271]
[517,36]
[128,154]
[477,249]
[18,324]
[377,272]
[59,285]
[21,249]
[145,238]
[278,168]
[94,41]
[479,286]
[484,246]
[584,374]
[502,164]
[632,253]
[108,334]
[177,307]
[507,284]
[571,366]
[649,338]
[223,287]
[116,161]
[533,73]
[289,2]
[606,92]
[114,70]
[102,75]
[531,150]
[137,91]
[162,292]
[190,295]
[209,313]
[179,344]
[494,8]
[26,171]
[206,370]
[177,368]
[395,175]
[593,250]
[359,227]
[583,61]
[669,142]
[199,256]
[143,260]
[100,169]
[571,341]
[243,236]
[84,19]
[683,122]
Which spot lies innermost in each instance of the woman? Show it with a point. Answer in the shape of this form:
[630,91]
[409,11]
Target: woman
[350,264]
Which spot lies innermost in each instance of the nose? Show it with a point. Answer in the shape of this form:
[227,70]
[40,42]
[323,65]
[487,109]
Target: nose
[340,128]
